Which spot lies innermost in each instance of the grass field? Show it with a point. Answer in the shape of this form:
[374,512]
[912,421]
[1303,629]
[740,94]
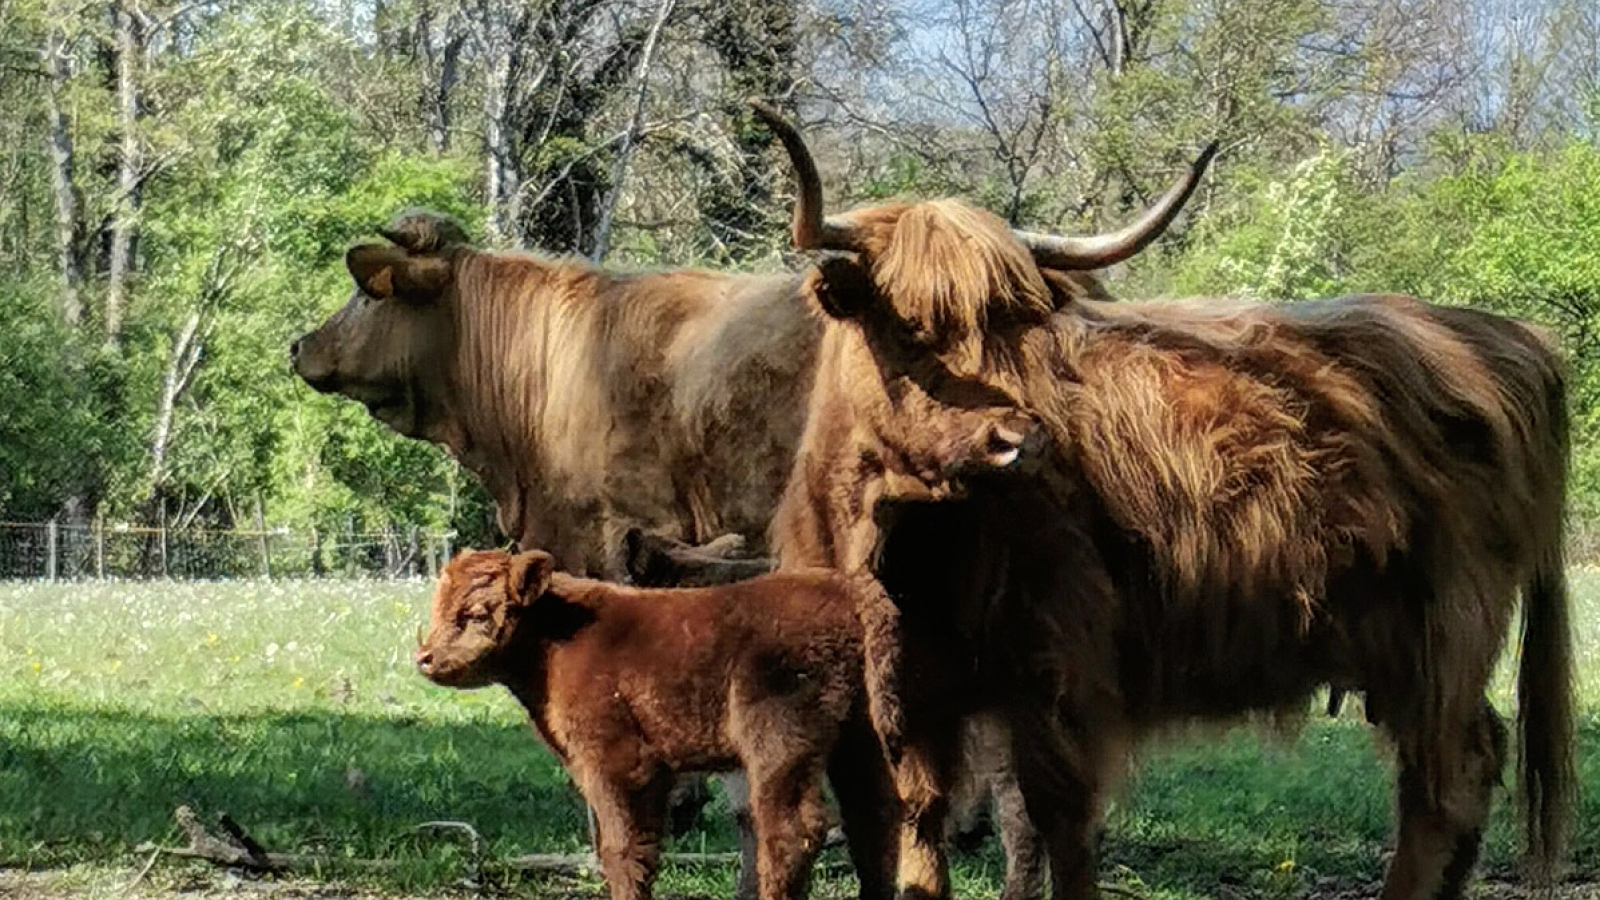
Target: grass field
[293,707]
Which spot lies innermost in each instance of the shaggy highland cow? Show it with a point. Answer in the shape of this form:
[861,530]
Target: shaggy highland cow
[631,687]
[1224,507]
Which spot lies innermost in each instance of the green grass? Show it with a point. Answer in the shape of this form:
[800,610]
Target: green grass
[293,707]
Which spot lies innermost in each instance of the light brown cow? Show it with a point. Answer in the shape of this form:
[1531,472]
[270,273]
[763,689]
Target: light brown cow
[1225,506]
[588,400]
[631,687]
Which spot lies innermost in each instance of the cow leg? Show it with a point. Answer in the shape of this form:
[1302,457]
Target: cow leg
[790,820]
[736,787]
[924,779]
[1024,855]
[630,821]
[1446,783]
[1061,787]
[988,779]
[868,807]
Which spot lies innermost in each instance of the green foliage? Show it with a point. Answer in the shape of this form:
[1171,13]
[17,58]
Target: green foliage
[276,134]
[53,435]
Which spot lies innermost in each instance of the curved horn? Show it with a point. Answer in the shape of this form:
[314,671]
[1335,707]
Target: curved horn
[1056,252]
[811,230]
[422,231]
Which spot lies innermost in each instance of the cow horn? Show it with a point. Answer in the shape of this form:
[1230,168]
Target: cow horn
[423,231]
[811,230]
[1057,252]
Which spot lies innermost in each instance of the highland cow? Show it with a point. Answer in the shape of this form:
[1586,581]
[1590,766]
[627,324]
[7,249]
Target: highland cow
[1225,506]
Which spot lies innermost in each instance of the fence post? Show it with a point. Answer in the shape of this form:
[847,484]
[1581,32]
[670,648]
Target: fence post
[391,566]
[161,534]
[350,545]
[50,543]
[316,552]
[99,548]
[413,560]
[433,560]
[261,532]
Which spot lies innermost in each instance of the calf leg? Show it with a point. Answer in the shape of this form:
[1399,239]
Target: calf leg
[629,820]
[790,820]
[868,807]
[1446,783]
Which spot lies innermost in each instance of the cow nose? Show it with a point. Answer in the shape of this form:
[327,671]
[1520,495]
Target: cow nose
[424,660]
[294,350]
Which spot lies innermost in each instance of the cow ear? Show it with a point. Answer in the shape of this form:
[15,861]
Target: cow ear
[841,286]
[1067,288]
[529,577]
[384,272]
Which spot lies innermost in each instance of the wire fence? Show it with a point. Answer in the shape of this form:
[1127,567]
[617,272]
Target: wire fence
[52,551]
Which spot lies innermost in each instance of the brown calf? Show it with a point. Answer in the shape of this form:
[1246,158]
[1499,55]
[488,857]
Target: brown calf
[631,687]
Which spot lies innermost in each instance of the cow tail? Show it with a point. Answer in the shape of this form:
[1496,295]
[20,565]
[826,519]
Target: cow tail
[1545,715]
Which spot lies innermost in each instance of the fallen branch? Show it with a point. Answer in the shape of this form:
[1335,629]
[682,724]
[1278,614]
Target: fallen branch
[237,849]
[245,853]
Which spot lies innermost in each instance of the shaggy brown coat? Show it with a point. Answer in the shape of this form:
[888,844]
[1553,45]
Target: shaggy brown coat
[1226,506]
[631,687]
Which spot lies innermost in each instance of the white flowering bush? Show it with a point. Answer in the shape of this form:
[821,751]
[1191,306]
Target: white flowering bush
[1278,239]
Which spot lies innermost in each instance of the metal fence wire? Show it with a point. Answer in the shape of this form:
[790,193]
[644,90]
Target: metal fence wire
[53,551]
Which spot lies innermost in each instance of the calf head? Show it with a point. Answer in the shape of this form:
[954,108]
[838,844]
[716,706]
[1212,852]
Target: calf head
[388,345]
[481,609]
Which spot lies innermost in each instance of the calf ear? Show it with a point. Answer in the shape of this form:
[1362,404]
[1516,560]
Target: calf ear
[530,575]
[384,272]
[841,285]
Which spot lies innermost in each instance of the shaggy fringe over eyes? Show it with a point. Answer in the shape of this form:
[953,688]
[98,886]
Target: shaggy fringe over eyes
[949,267]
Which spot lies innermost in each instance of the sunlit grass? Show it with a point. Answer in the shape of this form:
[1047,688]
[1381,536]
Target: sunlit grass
[293,707]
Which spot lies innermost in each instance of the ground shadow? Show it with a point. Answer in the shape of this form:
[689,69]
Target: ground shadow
[80,784]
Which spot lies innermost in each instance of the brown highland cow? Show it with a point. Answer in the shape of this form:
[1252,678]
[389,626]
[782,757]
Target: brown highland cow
[631,687]
[1224,507]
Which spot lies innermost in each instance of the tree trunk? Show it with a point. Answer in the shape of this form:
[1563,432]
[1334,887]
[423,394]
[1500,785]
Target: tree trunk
[756,41]
[130,166]
[502,165]
[186,346]
[602,234]
[69,260]
[441,50]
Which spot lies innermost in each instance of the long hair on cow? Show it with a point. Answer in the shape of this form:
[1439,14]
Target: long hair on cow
[1238,503]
